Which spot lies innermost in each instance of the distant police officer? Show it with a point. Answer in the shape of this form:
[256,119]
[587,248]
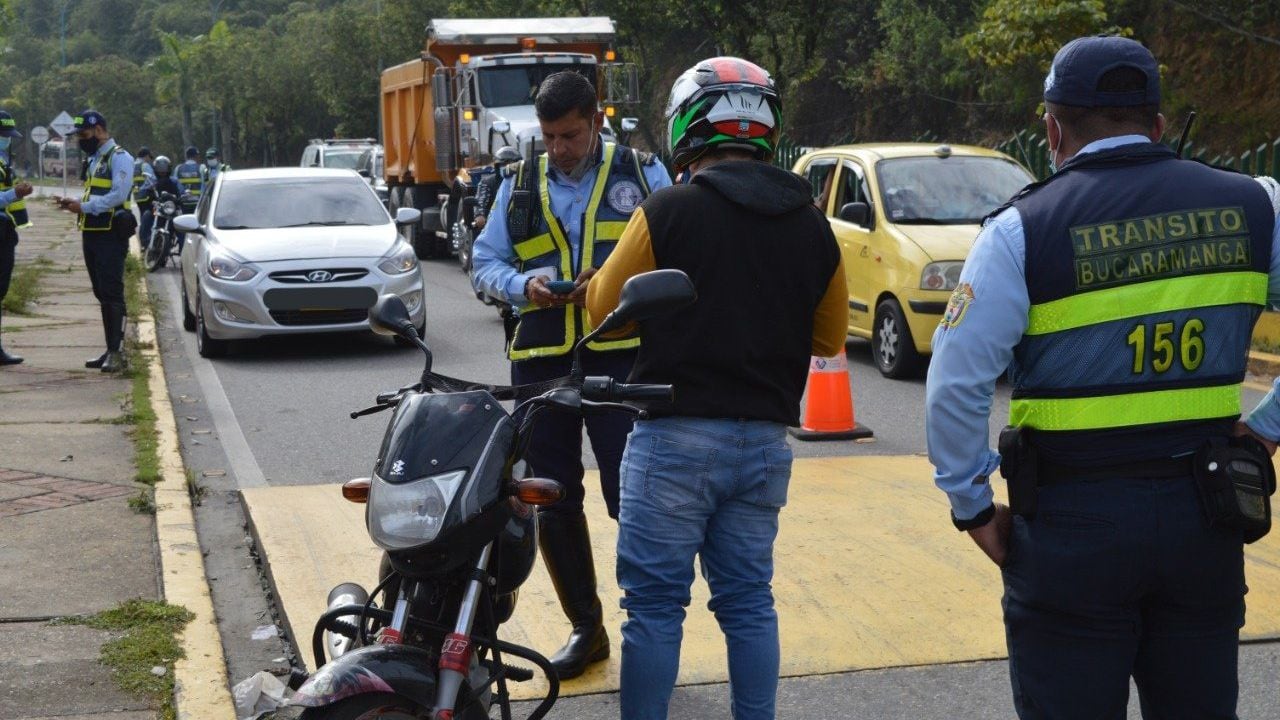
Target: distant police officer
[490,181]
[212,166]
[14,215]
[106,223]
[190,176]
[1120,294]
[557,218]
[144,178]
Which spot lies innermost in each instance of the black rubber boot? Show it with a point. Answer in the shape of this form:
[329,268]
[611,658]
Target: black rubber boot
[7,359]
[114,362]
[96,363]
[566,549]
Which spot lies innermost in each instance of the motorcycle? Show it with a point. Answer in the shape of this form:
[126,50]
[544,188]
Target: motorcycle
[459,534]
[163,242]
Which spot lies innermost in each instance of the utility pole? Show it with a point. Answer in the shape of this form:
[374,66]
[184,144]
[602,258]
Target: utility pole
[62,25]
[378,13]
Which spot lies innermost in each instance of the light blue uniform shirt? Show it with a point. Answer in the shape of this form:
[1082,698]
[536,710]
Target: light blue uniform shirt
[121,179]
[970,356]
[494,259]
[10,196]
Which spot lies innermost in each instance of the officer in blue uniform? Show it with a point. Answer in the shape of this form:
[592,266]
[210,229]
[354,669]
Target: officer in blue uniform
[106,223]
[556,219]
[1120,294]
[190,176]
[13,215]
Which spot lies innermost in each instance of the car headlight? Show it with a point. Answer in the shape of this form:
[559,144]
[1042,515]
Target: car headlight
[405,515]
[401,260]
[941,275]
[224,268]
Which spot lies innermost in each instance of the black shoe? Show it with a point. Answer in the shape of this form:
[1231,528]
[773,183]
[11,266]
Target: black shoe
[96,363]
[114,363]
[566,549]
[7,359]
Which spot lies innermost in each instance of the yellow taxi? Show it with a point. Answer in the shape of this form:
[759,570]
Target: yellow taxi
[905,215]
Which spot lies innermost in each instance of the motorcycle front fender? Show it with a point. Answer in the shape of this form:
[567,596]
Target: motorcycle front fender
[406,671]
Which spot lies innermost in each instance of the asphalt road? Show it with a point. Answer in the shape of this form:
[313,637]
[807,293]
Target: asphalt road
[275,412]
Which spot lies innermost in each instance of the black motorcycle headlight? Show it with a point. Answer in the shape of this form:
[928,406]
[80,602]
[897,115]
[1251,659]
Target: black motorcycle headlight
[168,207]
[406,515]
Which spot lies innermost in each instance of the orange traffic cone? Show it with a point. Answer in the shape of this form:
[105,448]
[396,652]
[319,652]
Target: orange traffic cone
[828,415]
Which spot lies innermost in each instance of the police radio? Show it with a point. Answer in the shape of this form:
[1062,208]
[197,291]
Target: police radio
[520,216]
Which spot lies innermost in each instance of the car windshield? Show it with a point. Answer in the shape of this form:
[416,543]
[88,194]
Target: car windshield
[947,191]
[296,202]
[342,158]
[509,85]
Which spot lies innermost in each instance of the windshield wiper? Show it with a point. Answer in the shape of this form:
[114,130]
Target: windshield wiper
[937,221]
[324,223]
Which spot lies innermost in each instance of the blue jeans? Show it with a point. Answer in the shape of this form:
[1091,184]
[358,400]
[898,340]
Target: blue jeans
[712,488]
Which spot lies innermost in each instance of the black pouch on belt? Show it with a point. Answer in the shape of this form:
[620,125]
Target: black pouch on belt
[1018,466]
[1235,478]
[124,223]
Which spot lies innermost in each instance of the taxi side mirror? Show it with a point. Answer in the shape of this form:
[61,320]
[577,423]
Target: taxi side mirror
[858,213]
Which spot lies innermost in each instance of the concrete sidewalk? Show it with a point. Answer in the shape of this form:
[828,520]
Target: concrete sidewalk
[69,542]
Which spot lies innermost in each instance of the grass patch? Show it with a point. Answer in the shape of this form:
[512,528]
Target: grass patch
[24,286]
[146,441]
[194,488]
[149,640]
[144,503]
[1266,346]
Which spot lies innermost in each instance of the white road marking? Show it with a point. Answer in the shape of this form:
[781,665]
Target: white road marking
[244,466]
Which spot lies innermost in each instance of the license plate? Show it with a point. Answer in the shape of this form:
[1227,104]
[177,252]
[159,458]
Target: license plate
[336,298]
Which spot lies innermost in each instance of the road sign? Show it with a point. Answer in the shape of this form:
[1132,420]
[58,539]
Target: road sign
[64,125]
[39,134]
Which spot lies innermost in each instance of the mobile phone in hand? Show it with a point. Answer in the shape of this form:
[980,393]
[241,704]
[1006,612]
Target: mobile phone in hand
[560,287]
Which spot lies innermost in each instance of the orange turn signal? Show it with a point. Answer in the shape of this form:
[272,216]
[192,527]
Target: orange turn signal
[528,43]
[464,58]
[357,490]
[538,491]
[610,110]
[610,56]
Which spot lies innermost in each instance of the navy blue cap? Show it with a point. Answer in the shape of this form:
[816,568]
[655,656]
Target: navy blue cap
[8,128]
[1073,78]
[90,119]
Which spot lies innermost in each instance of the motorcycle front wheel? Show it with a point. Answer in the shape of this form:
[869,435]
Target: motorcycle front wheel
[370,706]
[157,251]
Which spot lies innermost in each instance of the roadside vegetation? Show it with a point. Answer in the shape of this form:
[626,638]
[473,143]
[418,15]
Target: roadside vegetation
[140,414]
[147,639]
[24,286]
[258,78]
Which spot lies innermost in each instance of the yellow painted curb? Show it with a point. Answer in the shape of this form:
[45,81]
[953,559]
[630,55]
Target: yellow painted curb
[200,679]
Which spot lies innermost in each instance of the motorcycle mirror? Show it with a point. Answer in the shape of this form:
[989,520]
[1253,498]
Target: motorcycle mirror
[357,490]
[502,127]
[629,124]
[187,224]
[538,491]
[648,295]
[389,316]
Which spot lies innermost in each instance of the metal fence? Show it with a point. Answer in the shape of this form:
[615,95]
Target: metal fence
[1031,150]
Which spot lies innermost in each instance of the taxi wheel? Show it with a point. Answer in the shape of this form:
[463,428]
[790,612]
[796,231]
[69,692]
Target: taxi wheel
[892,344]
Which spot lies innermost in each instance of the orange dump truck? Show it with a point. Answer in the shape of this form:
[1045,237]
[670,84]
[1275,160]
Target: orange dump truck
[470,93]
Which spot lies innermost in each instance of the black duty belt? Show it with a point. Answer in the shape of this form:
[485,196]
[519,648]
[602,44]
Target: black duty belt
[1053,473]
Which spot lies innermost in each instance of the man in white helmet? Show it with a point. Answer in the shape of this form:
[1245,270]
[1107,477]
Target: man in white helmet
[708,476]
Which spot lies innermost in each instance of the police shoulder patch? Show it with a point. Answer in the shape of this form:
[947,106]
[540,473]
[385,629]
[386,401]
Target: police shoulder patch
[625,196]
[957,306]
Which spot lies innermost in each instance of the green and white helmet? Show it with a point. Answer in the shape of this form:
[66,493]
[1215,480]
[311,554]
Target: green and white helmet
[723,102]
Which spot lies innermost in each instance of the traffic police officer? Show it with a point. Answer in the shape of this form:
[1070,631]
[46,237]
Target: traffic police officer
[1120,294]
[14,215]
[144,178]
[212,166]
[190,176]
[576,200]
[106,223]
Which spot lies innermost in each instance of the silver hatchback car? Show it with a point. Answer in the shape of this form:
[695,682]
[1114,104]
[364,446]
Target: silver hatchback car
[281,251]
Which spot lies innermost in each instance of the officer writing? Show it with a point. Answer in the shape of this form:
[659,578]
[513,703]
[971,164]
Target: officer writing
[106,224]
[1120,294]
[709,477]
[14,215]
[555,220]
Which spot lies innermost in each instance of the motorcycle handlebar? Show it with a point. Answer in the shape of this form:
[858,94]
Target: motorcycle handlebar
[606,389]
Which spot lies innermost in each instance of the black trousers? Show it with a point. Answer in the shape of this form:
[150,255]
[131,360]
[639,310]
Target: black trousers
[8,249]
[555,447]
[104,254]
[1121,578]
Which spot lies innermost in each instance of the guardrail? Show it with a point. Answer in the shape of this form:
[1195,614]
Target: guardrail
[1031,150]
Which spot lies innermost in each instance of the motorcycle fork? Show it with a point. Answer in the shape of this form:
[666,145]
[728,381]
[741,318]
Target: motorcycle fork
[455,654]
